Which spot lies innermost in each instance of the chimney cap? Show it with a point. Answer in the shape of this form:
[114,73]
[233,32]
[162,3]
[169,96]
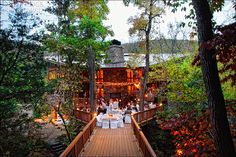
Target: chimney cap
[115,42]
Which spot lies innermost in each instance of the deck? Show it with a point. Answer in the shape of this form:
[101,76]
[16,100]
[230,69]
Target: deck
[112,142]
[129,141]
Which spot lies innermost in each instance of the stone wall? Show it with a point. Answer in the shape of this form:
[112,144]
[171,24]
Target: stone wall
[115,54]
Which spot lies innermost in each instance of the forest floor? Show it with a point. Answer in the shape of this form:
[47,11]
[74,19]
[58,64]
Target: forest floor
[48,134]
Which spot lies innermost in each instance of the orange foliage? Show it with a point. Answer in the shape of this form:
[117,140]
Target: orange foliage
[191,134]
[224,46]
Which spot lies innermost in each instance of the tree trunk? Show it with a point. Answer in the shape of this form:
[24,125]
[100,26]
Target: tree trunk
[147,44]
[91,62]
[142,91]
[218,115]
[65,125]
[146,71]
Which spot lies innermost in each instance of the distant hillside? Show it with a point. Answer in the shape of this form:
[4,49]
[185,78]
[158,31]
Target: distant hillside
[162,46]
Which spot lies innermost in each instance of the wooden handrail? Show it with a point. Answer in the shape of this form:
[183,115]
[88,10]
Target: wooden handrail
[144,116]
[137,119]
[82,115]
[77,145]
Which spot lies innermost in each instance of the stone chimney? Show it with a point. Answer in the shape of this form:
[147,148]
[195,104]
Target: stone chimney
[115,53]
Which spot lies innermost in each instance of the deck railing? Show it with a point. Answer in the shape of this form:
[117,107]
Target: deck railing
[137,119]
[77,145]
[144,116]
[82,115]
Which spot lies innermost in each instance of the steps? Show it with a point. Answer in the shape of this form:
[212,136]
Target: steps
[57,148]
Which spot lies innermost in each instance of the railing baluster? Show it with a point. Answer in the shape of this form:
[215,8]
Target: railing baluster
[76,150]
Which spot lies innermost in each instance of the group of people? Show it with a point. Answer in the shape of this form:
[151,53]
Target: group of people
[104,107]
[114,104]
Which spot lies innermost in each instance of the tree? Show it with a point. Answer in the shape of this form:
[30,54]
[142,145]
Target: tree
[63,40]
[218,116]
[91,14]
[142,26]
[82,33]
[224,48]
[79,40]
[21,61]
[177,42]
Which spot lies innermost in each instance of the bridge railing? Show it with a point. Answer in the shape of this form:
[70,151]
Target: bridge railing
[144,116]
[137,119]
[77,145]
[82,115]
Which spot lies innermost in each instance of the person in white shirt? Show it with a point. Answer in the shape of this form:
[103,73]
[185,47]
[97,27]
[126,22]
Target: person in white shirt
[115,104]
[137,106]
[104,106]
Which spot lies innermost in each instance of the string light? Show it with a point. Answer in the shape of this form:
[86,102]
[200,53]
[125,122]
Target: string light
[115,83]
[95,114]
[137,85]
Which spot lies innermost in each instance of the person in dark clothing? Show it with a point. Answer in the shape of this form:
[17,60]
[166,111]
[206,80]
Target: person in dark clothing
[99,110]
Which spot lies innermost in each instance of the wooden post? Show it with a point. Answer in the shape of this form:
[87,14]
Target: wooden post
[92,85]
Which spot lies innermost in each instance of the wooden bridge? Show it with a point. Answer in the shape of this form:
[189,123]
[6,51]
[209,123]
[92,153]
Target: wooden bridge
[128,141]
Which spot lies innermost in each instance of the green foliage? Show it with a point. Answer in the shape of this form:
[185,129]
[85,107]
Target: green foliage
[14,126]
[95,9]
[168,113]
[21,60]
[185,82]
[74,127]
[72,40]
[174,110]
[142,23]
[79,28]
[18,145]
[41,110]
[21,80]
[228,91]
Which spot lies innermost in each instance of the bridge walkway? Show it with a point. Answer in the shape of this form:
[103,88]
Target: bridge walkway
[112,143]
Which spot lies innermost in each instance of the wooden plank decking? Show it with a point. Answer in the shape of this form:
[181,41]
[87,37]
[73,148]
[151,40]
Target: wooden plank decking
[119,142]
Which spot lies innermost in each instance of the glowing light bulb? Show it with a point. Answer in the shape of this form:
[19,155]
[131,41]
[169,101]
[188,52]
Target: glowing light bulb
[179,152]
